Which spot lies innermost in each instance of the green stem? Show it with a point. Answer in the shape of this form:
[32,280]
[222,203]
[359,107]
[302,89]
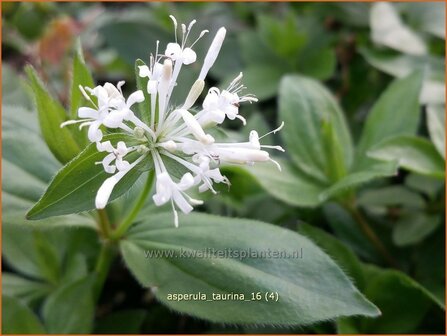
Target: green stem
[104,224]
[105,259]
[371,235]
[128,221]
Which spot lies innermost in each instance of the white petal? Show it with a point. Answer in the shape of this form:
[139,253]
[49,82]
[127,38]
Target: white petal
[216,175]
[106,163]
[173,50]
[163,188]
[159,199]
[94,133]
[101,93]
[211,100]
[136,97]
[143,71]
[112,91]
[186,182]
[104,146]
[122,165]
[214,116]
[87,112]
[254,139]
[181,202]
[115,118]
[188,56]
[231,111]
[122,148]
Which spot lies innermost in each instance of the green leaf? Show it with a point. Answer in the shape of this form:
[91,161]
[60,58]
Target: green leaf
[81,76]
[21,148]
[28,291]
[400,65]
[429,265]
[305,296]
[403,311]
[339,252]
[346,325]
[317,58]
[47,258]
[74,187]
[347,230]
[414,227]
[19,250]
[18,318]
[17,217]
[51,114]
[23,183]
[70,309]
[354,179]
[14,89]
[427,185]
[413,153]
[289,185]
[428,17]
[282,36]
[250,43]
[19,118]
[436,126]
[395,113]
[315,131]
[320,65]
[20,183]
[145,106]
[75,266]
[377,200]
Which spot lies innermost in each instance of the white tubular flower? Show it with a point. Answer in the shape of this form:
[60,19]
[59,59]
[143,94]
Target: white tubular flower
[121,111]
[175,133]
[207,176]
[111,111]
[167,190]
[116,154]
[154,75]
[179,53]
[106,189]
[218,105]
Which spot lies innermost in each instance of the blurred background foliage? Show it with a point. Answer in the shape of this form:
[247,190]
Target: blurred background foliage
[335,43]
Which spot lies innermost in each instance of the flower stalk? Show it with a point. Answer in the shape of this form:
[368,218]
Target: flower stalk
[129,220]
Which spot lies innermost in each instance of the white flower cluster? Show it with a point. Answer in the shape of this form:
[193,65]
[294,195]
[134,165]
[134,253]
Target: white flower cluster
[174,132]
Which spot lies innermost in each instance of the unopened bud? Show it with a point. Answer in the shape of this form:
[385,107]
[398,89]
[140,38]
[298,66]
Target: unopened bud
[138,132]
[142,149]
[194,93]
[213,52]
